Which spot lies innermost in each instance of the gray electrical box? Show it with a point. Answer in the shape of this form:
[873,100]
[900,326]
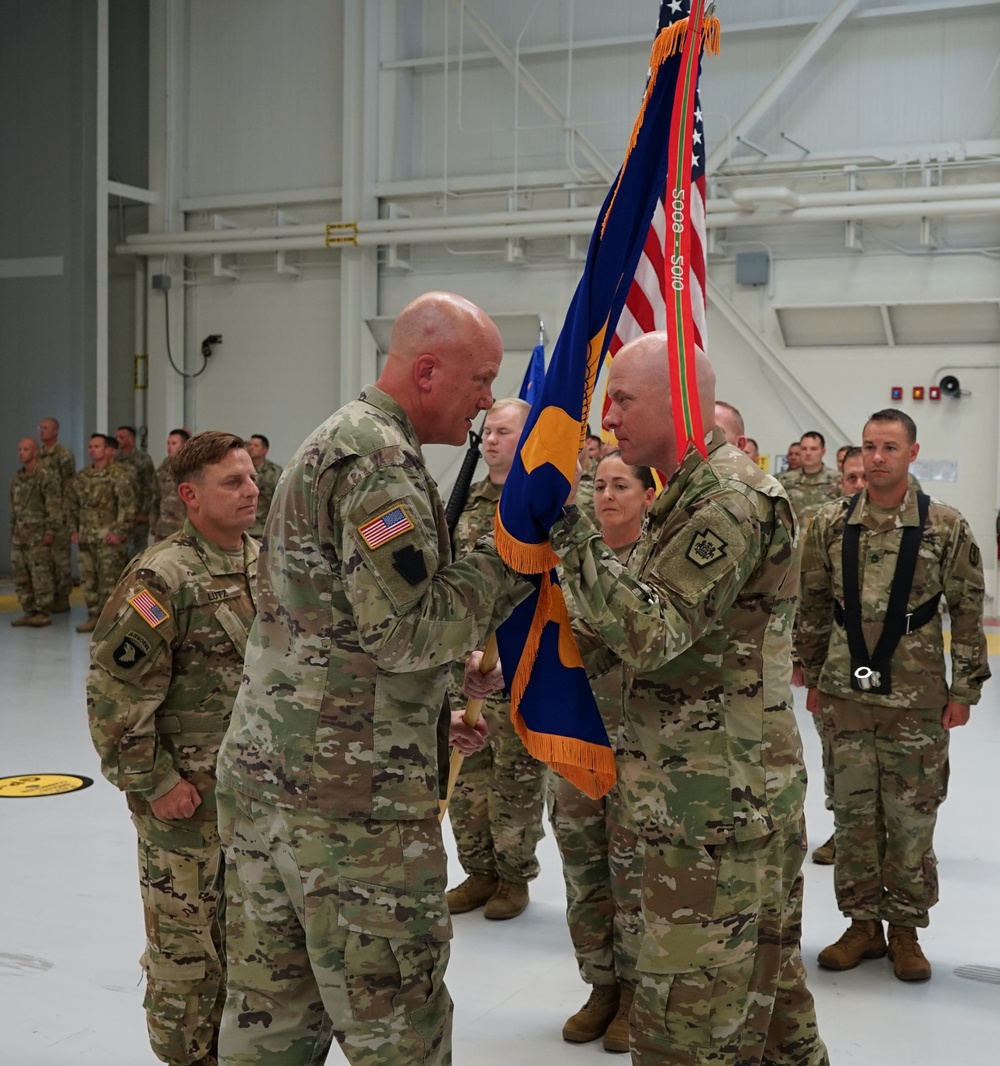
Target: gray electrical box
[753,268]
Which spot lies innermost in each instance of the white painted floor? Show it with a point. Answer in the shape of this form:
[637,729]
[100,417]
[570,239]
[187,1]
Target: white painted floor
[71,926]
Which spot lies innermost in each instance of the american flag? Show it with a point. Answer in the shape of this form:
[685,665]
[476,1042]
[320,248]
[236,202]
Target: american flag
[149,608]
[646,305]
[385,527]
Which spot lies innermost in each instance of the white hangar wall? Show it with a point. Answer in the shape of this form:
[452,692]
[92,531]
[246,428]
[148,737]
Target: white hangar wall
[298,113]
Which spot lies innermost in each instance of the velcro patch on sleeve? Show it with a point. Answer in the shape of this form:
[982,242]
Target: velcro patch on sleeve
[385,527]
[149,608]
[132,650]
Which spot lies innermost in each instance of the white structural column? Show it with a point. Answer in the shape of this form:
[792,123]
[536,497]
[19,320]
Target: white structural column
[786,75]
[101,220]
[165,396]
[784,378]
[359,266]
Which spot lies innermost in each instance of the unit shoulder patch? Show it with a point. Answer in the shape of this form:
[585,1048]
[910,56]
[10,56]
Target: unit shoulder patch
[385,527]
[132,650]
[705,548]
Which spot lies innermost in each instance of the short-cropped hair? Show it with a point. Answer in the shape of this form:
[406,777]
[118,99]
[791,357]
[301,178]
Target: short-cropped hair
[893,414]
[641,473]
[262,439]
[816,435]
[851,451]
[184,434]
[203,449]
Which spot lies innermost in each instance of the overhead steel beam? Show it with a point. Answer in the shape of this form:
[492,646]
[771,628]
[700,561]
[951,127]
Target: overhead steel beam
[789,72]
[773,362]
[535,91]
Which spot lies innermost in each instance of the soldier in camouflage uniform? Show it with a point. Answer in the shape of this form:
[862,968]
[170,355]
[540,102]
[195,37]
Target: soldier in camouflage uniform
[793,457]
[167,511]
[813,484]
[143,472]
[499,797]
[166,662]
[889,722]
[332,769]
[709,757]
[62,459]
[601,857]
[267,480]
[102,512]
[36,510]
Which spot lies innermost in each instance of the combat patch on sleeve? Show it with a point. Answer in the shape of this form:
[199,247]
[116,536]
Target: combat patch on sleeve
[385,527]
[974,554]
[149,608]
[132,650]
[410,564]
[706,547]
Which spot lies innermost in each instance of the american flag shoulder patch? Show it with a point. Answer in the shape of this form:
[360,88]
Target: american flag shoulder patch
[149,608]
[385,527]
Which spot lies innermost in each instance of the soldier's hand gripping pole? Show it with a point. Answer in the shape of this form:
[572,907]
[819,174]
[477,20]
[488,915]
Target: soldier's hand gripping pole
[473,713]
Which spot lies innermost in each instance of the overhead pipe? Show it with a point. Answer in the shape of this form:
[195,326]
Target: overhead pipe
[569,222]
[746,197]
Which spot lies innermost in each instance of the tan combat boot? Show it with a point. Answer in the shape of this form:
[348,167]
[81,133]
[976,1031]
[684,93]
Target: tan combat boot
[89,626]
[616,1035]
[39,619]
[908,960]
[864,939]
[594,1017]
[23,620]
[508,901]
[473,892]
[826,854]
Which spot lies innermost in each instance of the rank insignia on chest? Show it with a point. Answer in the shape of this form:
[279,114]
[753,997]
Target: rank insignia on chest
[132,650]
[387,526]
[146,606]
[706,548]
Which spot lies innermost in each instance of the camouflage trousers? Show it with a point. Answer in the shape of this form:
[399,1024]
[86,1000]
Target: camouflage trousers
[138,539]
[101,566]
[826,741]
[336,928]
[721,975]
[601,862]
[31,568]
[62,568]
[496,808]
[890,777]
[180,876]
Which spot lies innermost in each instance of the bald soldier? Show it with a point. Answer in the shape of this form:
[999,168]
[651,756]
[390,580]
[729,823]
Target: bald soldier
[333,765]
[709,756]
[36,514]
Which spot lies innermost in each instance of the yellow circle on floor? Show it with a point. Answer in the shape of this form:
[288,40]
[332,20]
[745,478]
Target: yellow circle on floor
[28,785]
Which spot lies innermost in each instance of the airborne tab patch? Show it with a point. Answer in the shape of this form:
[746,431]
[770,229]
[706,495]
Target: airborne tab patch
[706,548]
[387,526]
[146,606]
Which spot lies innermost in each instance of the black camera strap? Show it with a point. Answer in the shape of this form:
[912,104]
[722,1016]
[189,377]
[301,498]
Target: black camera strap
[897,621]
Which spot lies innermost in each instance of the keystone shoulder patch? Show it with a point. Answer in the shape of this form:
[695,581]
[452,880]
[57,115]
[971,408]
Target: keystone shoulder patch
[706,547]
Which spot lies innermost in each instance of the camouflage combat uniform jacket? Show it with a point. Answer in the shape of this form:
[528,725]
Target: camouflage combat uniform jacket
[808,492]
[36,505]
[949,562]
[101,502]
[61,459]
[267,482]
[140,467]
[360,615]
[709,751]
[167,511]
[166,663]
